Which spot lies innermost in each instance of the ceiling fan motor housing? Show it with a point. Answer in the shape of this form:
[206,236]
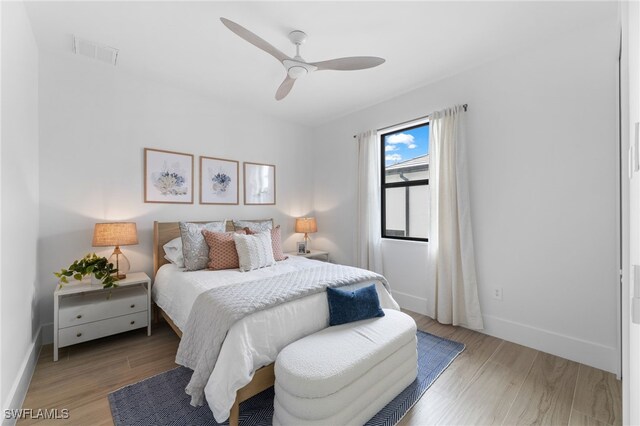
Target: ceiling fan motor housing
[297,69]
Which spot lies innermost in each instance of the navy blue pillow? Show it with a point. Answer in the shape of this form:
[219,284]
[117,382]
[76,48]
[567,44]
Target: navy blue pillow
[348,306]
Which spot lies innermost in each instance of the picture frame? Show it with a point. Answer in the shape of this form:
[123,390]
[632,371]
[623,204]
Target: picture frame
[259,184]
[302,247]
[168,177]
[219,181]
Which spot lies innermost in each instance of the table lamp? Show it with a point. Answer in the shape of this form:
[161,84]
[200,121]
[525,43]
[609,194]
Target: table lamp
[116,234]
[306,225]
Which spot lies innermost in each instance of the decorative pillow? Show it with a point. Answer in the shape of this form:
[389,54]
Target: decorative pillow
[276,242]
[254,251]
[194,247]
[173,252]
[348,306]
[222,250]
[255,225]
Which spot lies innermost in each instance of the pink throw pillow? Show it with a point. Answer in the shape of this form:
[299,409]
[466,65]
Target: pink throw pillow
[222,250]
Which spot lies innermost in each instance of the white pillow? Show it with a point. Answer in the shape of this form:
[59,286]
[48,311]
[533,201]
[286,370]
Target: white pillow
[173,252]
[254,251]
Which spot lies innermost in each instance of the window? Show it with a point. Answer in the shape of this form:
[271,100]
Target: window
[405,183]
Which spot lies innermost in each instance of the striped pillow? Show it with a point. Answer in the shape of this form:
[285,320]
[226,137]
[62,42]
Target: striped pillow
[222,250]
[276,242]
[254,251]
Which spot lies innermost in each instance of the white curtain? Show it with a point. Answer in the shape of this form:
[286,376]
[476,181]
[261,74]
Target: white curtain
[451,259]
[368,250]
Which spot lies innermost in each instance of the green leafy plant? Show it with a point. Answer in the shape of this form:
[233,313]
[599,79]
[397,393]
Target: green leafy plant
[91,264]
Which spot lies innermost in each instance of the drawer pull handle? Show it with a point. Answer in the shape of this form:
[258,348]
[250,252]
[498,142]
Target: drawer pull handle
[133,322]
[79,316]
[133,306]
[79,334]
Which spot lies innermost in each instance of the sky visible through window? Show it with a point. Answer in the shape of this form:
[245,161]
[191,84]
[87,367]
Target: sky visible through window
[406,144]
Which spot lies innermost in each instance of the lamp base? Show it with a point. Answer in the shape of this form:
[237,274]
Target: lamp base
[121,263]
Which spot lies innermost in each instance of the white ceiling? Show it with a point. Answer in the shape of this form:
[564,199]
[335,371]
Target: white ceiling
[185,44]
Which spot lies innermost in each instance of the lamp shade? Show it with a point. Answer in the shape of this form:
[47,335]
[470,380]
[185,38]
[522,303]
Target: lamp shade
[115,234]
[306,225]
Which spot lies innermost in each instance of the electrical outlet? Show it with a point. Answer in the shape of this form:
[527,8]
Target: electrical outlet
[497,293]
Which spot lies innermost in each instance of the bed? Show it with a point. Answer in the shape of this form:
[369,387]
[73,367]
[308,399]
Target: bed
[244,366]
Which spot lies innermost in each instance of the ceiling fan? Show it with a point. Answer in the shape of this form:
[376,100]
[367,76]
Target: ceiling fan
[297,67]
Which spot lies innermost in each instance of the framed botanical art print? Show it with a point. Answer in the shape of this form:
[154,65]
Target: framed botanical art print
[219,181]
[168,177]
[259,183]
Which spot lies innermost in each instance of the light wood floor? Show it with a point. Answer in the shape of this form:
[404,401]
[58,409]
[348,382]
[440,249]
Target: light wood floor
[491,382]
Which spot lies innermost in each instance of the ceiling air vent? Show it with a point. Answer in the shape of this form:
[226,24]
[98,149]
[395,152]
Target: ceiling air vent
[96,51]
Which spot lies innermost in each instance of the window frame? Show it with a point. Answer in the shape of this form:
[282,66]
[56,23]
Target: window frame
[384,186]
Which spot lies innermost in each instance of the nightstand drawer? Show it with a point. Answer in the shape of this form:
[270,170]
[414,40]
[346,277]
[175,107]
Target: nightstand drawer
[90,307]
[93,330]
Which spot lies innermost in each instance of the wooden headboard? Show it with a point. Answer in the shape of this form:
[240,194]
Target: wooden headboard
[163,232]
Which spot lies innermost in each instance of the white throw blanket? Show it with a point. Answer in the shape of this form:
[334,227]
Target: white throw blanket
[216,310]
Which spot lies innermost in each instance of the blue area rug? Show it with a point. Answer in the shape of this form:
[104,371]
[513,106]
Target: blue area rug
[161,400]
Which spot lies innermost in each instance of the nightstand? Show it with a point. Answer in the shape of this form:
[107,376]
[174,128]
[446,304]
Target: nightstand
[315,254]
[84,312]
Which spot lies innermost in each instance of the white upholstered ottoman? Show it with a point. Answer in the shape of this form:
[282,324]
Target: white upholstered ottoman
[344,375]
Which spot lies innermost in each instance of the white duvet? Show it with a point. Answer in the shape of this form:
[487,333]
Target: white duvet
[256,340]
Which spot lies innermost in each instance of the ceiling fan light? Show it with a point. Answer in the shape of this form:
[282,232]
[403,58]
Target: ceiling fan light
[296,72]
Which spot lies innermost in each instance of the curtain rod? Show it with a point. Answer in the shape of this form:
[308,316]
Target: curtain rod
[409,121]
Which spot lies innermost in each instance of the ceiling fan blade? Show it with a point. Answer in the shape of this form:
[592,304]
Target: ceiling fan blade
[349,64]
[254,39]
[284,88]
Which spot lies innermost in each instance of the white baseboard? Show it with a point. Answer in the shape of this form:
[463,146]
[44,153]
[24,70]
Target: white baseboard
[579,350]
[410,302]
[18,391]
[572,348]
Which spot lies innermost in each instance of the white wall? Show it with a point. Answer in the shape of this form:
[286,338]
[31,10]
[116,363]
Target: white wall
[94,123]
[542,142]
[19,211]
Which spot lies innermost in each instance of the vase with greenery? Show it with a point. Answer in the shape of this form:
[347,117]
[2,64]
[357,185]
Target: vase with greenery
[92,265]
